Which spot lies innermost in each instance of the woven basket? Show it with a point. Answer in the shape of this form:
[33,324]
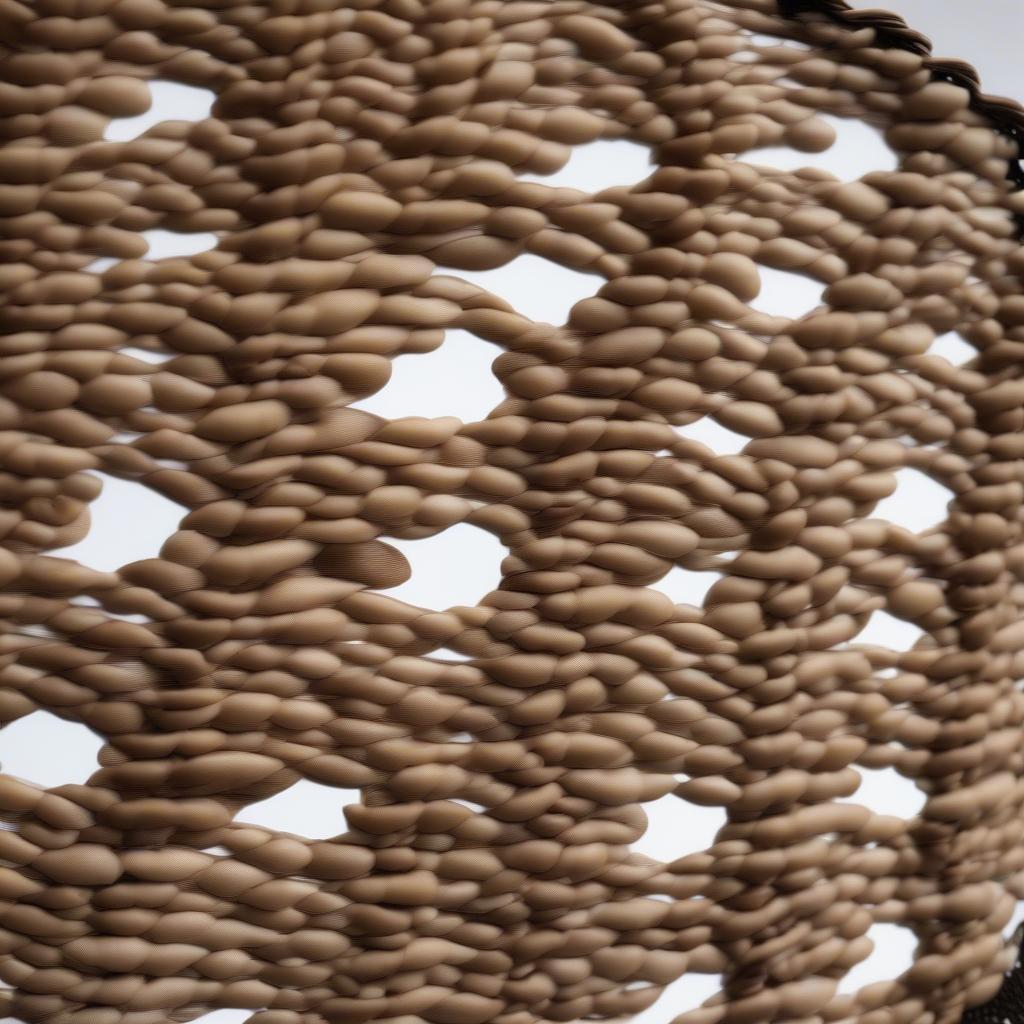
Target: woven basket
[496,769]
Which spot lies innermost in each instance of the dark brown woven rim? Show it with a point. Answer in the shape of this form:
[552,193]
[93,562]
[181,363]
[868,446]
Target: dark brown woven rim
[1006,116]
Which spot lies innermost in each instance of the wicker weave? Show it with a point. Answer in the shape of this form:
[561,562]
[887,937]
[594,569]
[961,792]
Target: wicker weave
[360,156]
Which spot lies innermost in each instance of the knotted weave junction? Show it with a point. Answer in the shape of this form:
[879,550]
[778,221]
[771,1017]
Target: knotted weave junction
[360,154]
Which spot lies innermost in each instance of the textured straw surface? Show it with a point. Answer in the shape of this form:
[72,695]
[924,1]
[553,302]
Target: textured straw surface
[358,156]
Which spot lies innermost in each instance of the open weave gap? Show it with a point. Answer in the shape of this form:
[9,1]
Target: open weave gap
[504,762]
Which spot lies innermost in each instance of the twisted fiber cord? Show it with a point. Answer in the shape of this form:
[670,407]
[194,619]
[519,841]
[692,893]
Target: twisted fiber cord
[358,156]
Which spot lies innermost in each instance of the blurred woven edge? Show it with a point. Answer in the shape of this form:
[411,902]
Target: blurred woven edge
[1007,117]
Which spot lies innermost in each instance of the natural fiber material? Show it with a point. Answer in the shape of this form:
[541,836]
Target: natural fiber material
[359,154]
[1008,1005]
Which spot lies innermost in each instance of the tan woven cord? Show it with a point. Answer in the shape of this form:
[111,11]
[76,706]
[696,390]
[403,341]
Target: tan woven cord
[358,156]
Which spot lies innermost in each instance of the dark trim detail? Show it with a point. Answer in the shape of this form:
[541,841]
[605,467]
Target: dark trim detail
[1006,116]
[1008,1003]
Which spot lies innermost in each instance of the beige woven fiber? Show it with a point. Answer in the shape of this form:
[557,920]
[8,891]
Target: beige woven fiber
[500,764]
